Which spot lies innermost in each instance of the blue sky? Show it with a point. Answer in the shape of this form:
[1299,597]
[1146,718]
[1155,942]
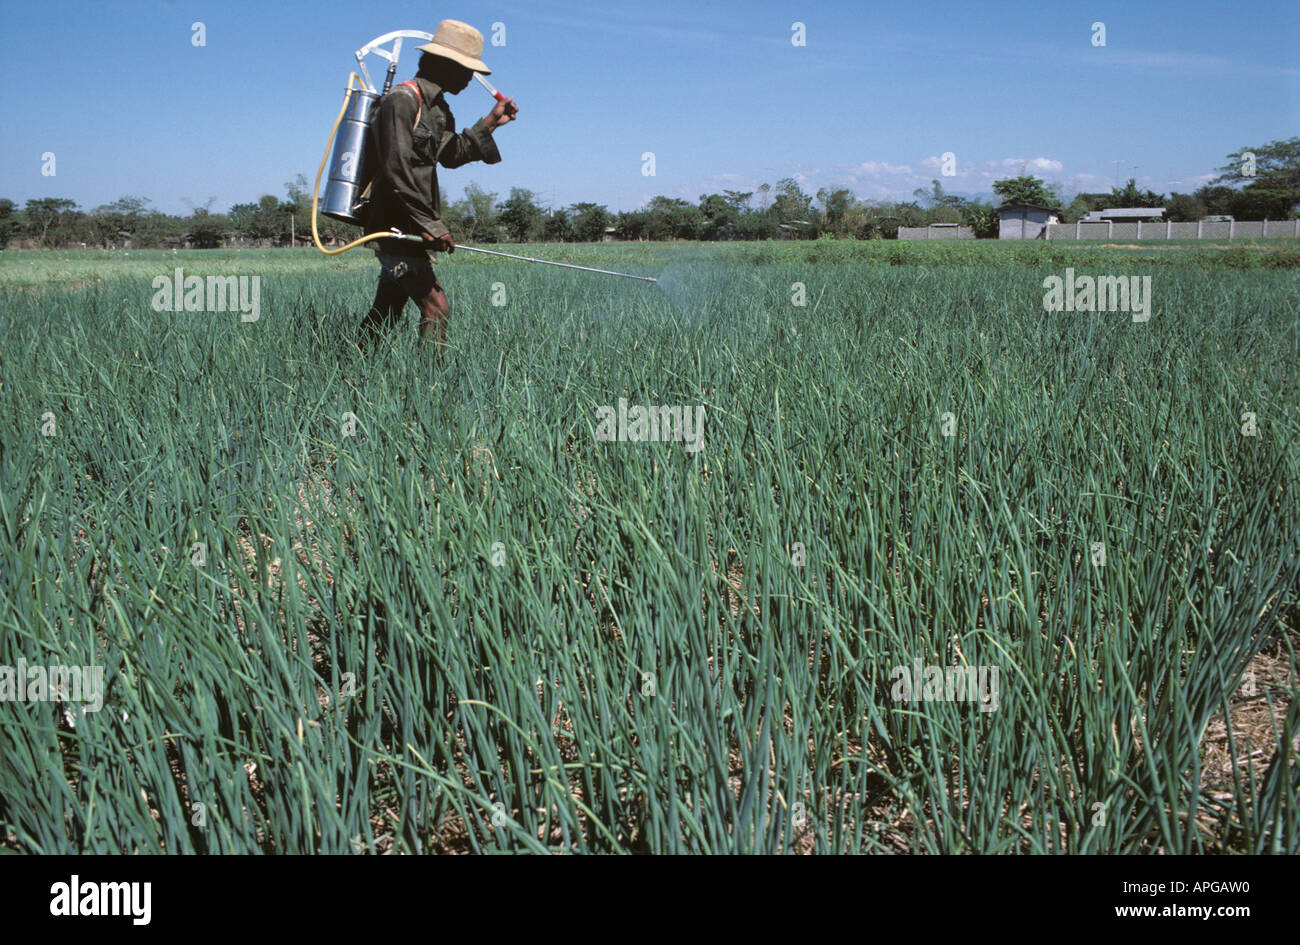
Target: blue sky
[717,91]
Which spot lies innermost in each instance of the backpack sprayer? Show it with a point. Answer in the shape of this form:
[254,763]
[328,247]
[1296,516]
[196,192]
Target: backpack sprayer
[346,155]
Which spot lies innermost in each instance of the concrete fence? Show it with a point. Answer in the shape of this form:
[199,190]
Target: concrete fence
[936,231]
[1166,230]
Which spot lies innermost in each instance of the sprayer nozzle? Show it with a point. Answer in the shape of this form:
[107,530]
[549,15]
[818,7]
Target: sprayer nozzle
[487,85]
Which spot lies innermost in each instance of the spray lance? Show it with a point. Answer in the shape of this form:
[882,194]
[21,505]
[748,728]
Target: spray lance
[488,85]
[345,153]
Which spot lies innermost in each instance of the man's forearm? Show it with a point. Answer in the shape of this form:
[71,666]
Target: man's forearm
[473,144]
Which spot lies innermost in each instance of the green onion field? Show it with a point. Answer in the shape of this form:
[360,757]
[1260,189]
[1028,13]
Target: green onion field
[358,600]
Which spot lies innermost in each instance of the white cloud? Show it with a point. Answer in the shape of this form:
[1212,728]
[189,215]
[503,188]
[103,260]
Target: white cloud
[1038,164]
[877,168]
[986,171]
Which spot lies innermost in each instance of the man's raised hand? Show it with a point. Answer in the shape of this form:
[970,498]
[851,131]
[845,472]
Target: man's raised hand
[505,111]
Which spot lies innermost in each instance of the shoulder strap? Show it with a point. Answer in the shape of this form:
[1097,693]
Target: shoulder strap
[419,99]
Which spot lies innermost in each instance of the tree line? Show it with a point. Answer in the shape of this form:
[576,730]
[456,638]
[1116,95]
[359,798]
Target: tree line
[1257,183]
[1260,183]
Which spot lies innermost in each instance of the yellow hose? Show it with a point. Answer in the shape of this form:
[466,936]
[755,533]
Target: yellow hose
[315,194]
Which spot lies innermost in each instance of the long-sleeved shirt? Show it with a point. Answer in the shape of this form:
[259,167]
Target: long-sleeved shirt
[404,183]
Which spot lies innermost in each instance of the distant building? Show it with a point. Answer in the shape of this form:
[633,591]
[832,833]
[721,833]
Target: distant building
[936,231]
[1125,213]
[1025,221]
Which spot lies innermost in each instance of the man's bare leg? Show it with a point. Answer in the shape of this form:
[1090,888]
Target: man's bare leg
[434,312]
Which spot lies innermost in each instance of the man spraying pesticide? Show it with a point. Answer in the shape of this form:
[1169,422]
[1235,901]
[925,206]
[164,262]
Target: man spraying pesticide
[383,154]
[412,133]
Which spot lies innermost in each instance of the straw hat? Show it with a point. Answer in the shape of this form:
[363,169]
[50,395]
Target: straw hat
[460,43]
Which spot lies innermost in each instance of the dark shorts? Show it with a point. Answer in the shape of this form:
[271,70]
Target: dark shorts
[414,275]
